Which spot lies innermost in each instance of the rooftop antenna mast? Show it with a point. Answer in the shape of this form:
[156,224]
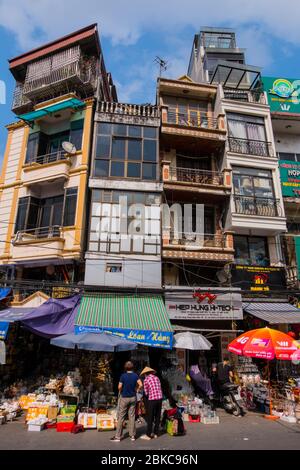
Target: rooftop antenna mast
[161,63]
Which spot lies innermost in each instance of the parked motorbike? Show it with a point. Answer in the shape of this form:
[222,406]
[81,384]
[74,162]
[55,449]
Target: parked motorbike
[231,400]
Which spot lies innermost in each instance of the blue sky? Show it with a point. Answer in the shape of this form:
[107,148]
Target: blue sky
[133,32]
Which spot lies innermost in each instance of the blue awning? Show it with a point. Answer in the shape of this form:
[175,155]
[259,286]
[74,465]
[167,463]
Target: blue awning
[4,292]
[70,103]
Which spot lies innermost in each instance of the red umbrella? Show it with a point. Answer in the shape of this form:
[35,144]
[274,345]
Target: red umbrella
[265,343]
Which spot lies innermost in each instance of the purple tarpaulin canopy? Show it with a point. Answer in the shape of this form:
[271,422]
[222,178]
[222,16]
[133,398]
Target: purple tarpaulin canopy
[54,317]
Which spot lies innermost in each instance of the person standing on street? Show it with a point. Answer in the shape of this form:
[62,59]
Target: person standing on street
[129,384]
[153,392]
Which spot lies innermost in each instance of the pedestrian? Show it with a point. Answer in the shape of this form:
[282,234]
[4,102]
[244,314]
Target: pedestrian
[129,384]
[153,392]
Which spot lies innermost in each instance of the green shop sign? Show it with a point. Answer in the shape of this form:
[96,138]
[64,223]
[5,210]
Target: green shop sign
[290,178]
[283,94]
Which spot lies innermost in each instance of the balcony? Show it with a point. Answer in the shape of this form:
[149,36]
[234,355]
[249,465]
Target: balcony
[199,125]
[55,75]
[125,109]
[250,147]
[214,247]
[40,242]
[190,179]
[46,167]
[257,206]
[248,96]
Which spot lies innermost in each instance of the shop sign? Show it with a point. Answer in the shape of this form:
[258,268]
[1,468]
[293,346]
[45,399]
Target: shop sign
[204,304]
[290,178]
[283,94]
[258,278]
[4,325]
[156,339]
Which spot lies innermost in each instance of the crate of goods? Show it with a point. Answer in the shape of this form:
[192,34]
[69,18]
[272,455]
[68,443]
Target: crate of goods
[105,422]
[67,418]
[64,426]
[88,420]
[70,409]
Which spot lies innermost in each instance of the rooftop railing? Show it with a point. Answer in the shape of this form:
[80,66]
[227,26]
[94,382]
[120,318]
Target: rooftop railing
[249,96]
[127,109]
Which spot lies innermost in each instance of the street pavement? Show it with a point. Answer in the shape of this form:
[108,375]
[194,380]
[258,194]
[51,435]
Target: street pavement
[249,432]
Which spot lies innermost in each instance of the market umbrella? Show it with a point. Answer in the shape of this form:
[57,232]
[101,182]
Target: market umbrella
[94,342]
[192,341]
[265,343]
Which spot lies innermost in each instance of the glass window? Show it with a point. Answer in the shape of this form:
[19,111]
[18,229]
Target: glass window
[140,146]
[149,171]
[103,147]
[21,215]
[118,148]
[253,182]
[70,207]
[119,129]
[104,128]
[150,132]
[134,149]
[101,168]
[251,250]
[76,133]
[117,169]
[135,131]
[133,170]
[150,150]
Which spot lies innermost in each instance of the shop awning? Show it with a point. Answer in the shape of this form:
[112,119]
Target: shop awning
[4,292]
[273,312]
[139,318]
[54,108]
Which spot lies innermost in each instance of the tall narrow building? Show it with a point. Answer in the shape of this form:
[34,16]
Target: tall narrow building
[43,191]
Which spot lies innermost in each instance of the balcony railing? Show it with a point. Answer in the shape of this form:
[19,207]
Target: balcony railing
[201,120]
[250,147]
[19,99]
[249,96]
[198,240]
[266,207]
[38,232]
[129,109]
[191,175]
[48,158]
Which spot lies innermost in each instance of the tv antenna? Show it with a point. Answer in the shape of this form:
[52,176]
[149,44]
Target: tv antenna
[161,63]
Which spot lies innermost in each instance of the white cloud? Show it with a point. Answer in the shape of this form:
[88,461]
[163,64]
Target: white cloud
[124,21]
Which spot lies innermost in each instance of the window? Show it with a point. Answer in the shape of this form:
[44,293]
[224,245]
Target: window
[40,144]
[253,182]
[70,207]
[34,213]
[247,134]
[126,151]
[113,268]
[293,157]
[136,230]
[251,250]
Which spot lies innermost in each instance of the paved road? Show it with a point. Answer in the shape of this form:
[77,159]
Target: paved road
[249,432]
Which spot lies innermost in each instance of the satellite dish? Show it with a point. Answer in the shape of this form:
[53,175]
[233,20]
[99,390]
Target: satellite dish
[69,147]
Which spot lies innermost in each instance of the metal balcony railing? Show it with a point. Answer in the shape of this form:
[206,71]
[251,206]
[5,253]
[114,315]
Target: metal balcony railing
[38,232]
[129,109]
[250,147]
[191,175]
[266,207]
[198,240]
[200,120]
[48,158]
[19,99]
[250,96]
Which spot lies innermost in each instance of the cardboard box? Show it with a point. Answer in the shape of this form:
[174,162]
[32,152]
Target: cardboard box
[88,420]
[105,422]
[35,427]
[52,412]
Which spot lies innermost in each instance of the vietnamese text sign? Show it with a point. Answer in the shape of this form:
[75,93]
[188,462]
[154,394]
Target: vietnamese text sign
[204,305]
[283,94]
[290,178]
[258,278]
